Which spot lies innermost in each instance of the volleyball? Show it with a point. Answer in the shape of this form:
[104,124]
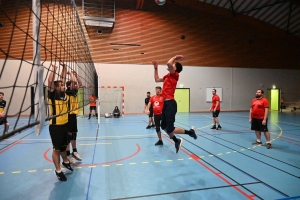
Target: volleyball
[160,2]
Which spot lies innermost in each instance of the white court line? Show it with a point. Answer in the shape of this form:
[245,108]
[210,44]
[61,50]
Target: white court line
[95,143]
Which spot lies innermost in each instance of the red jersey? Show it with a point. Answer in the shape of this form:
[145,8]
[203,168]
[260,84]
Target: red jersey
[157,103]
[216,98]
[258,107]
[169,86]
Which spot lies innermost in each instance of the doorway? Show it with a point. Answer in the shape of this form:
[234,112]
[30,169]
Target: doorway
[182,97]
[273,96]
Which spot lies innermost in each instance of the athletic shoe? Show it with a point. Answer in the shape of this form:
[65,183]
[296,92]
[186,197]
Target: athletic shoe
[178,145]
[67,166]
[269,145]
[148,127]
[159,142]
[257,143]
[71,159]
[153,125]
[76,156]
[194,133]
[61,176]
[219,127]
[214,127]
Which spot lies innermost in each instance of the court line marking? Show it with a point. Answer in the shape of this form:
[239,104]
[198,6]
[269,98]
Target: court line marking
[10,146]
[91,144]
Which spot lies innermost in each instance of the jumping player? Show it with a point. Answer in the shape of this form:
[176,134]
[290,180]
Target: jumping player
[170,105]
[157,103]
[58,103]
[72,90]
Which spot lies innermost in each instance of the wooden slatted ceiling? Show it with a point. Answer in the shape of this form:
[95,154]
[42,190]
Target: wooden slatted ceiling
[213,38]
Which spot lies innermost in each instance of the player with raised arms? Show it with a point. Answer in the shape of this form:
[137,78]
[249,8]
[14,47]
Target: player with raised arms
[170,106]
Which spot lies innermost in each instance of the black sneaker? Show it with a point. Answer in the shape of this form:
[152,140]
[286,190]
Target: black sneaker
[257,143]
[153,125]
[269,146]
[214,127]
[194,134]
[159,142]
[67,166]
[178,144]
[148,127]
[61,176]
[219,127]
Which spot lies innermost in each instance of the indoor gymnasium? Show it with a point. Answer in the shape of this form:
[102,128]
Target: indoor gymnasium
[149,99]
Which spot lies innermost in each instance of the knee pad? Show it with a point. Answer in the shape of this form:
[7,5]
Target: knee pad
[64,148]
[157,130]
[74,136]
[169,130]
[69,138]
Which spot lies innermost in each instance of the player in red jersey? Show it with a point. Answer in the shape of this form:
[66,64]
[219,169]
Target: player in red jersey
[215,108]
[258,117]
[157,103]
[170,105]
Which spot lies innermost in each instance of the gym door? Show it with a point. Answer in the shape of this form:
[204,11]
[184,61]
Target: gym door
[182,97]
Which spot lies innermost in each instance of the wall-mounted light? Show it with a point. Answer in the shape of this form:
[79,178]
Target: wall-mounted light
[274,86]
[181,85]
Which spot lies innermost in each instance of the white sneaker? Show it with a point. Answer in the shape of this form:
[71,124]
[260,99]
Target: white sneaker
[71,159]
[76,156]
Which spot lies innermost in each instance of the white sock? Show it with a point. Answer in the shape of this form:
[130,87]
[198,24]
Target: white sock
[258,140]
[268,141]
[58,171]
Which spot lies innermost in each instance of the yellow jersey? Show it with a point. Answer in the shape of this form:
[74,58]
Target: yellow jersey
[73,101]
[58,103]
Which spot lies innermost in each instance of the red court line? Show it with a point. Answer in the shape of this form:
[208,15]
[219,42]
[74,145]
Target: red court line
[10,146]
[102,163]
[218,174]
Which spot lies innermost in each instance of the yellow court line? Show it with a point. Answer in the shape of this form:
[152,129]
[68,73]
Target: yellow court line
[219,154]
[105,165]
[16,172]
[180,159]
[210,155]
[46,170]
[77,167]
[157,161]
[228,152]
[190,158]
[132,163]
[31,170]
[201,156]
[145,162]
[169,160]
[1,172]
[92,166]
[119,164]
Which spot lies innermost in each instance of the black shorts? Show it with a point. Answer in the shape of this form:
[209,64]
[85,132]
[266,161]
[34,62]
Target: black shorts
[216,114]
[168,116]
[256,125]
[157,119]
[59,136]
[72,123]
[92,108]
[150,112]
[3,120]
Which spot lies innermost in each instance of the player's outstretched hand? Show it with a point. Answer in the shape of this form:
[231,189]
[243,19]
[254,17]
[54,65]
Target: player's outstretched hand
[179,57]
[54,67]
[155,64]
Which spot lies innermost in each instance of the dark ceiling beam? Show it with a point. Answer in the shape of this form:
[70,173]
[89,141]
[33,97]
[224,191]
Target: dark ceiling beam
[288,22]
[232,8]
[264,6]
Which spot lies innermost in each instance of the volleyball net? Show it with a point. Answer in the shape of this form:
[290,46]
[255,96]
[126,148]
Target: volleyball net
[37,35]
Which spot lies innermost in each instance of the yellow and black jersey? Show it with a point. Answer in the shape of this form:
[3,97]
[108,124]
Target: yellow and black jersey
[2,105]
[73,101]
[58,103]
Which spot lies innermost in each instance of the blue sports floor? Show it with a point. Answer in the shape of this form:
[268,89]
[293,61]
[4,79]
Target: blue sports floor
[120,161]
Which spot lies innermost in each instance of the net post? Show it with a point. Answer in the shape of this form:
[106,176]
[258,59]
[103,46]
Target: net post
[39,113]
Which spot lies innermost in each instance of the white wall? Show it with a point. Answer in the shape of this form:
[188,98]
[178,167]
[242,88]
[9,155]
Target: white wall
[239,84]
